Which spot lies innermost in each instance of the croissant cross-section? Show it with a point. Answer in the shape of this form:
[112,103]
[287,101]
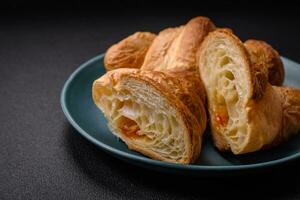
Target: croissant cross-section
[246,112]
[150,119]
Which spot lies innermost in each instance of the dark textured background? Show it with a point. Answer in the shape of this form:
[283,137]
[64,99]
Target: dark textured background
[43,157]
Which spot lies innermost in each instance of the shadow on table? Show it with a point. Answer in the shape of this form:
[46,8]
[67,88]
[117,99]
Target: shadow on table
[128,180]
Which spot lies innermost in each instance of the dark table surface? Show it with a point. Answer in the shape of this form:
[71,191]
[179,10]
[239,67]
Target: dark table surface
[43,157]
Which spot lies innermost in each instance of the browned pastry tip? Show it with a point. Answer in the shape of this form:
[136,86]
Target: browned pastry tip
[175,49]
[266,60]
[129,52]
[156,56]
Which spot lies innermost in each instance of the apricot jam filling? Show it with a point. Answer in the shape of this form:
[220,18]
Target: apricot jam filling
[128,127]
[221,117]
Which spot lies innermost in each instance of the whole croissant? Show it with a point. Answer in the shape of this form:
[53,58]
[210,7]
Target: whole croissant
[246,112]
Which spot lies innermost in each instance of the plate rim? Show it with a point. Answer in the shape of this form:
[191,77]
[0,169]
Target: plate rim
[150,161]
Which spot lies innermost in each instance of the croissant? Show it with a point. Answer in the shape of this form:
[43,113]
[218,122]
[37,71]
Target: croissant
[246,112]
[158,110]
[130,52]
[174,49]
[158,114]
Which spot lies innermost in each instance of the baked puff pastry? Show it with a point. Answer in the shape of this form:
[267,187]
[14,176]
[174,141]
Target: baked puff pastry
[267,60]
[246,112]
[160,115]
[130,52]
[174,49]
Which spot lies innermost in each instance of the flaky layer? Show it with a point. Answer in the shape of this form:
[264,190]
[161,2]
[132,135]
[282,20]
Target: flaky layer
[245,110]
[228,86]
[149,117]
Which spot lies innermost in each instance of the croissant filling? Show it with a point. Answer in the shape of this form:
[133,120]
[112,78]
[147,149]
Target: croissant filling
[226,94]
[142,122]
[128,127]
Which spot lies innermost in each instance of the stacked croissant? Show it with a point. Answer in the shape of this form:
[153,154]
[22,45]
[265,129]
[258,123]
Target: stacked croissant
[158,89]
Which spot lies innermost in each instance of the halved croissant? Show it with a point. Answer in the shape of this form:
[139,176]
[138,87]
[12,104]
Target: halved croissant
[130,52]
[158,114]
[246,112]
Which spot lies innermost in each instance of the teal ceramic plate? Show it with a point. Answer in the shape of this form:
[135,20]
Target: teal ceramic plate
[77,104]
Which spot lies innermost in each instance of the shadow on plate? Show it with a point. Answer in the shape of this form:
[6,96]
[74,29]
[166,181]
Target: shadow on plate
[128,180]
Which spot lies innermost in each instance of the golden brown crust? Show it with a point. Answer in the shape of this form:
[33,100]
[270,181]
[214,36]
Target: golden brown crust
[291,111]
[175,49]
[266,61]
[158,51]
[130,52]
[259,78]
[264,120]
[180,94]
[185,86]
